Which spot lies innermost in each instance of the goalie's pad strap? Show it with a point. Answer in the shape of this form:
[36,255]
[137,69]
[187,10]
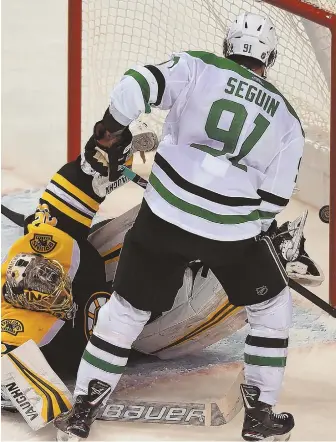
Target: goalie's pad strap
[32,386]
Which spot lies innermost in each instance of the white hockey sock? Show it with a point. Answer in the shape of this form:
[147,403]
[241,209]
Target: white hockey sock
[106,354]
[266,345]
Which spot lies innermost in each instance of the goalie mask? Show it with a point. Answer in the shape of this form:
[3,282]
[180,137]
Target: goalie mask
[39,284]
[253,36]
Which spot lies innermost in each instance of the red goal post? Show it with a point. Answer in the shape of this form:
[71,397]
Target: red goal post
[327,19]
[311,10]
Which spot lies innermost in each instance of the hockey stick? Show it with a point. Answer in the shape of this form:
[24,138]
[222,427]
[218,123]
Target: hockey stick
[312,297]
[132,176]
[16,218]
[200,414]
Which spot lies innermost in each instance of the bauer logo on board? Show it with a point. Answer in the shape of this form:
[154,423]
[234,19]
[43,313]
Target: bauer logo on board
[152,412]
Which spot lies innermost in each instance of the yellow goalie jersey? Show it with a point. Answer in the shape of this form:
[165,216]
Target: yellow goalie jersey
[58,231]
[73,196]
[19,325]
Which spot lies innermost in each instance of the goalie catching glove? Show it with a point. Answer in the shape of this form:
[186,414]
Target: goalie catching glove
[289,243]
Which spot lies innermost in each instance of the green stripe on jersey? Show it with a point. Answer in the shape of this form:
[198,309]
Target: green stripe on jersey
[265,361]
[103,365]
[266,215]
[143,83]
[199,211]
[225,63]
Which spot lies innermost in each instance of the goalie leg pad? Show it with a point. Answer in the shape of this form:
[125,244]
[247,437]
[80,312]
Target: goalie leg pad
[201,315]
[32,386]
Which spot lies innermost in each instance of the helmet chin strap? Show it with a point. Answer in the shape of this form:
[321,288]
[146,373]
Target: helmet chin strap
[264,71]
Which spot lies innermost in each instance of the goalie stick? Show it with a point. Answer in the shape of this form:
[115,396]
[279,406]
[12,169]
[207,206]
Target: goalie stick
[16,218]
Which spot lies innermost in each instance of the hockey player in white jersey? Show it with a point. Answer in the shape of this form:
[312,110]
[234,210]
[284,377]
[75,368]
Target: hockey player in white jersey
[227,164]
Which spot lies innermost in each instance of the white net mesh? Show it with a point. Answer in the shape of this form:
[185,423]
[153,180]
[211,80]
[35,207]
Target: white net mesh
[327,5]
[120,33]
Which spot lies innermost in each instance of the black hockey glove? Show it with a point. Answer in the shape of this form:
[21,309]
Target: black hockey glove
[107,160]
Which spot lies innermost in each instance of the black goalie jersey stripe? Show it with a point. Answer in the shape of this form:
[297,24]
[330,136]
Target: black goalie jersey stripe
[71,174]
[66,209]
[72,195]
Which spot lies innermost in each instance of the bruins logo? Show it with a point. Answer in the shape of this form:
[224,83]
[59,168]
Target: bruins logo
[42,243]
[91,310]
[12,326]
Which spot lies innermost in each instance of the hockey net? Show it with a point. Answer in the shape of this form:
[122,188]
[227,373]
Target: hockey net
[117,34]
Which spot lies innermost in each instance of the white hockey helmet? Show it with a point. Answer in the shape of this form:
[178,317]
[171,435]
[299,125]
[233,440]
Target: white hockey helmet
[253,36]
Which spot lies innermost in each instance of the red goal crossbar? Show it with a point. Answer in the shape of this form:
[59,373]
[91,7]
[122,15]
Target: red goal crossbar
[298,7]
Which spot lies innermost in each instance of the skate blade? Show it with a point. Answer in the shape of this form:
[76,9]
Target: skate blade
[280,438]
[65,437]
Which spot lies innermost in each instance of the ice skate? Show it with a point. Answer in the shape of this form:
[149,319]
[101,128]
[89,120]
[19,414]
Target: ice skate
[260,422]
[75,424]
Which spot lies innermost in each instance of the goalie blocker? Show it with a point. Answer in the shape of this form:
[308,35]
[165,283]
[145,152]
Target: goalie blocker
[146,254]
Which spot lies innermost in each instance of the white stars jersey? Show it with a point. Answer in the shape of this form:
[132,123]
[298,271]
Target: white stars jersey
[231,147]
